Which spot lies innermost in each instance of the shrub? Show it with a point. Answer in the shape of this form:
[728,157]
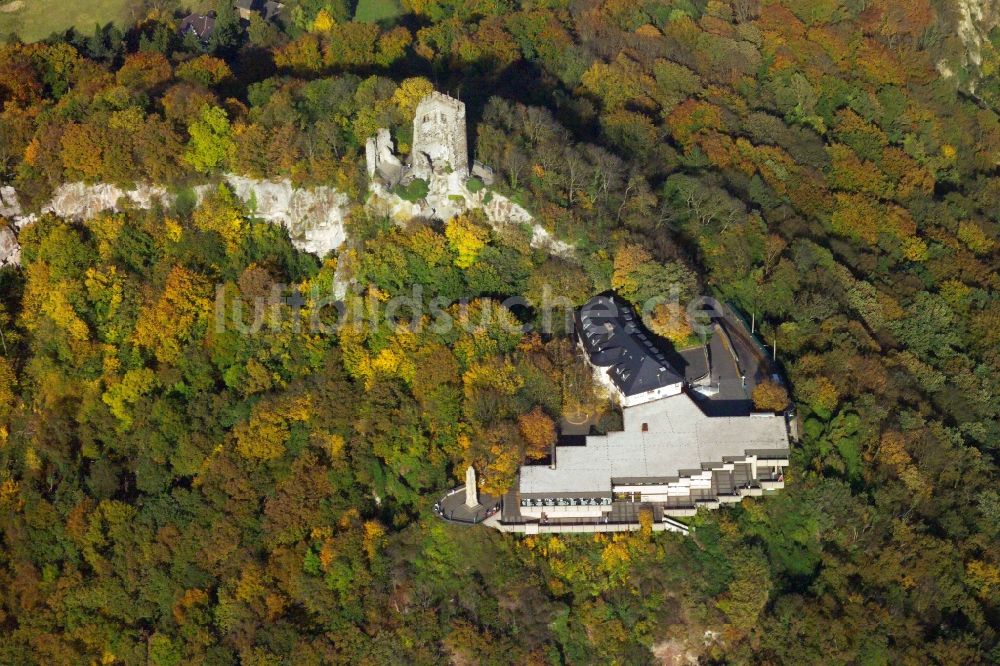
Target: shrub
[416,190]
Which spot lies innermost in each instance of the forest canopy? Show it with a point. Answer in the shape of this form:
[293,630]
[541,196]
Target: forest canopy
[173,491]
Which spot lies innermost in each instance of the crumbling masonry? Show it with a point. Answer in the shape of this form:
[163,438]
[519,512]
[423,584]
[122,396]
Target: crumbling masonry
[439,141]
[440,151]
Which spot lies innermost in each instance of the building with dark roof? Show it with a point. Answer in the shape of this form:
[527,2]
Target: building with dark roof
[199,25]
[624,356]
[669,459]
[268,10]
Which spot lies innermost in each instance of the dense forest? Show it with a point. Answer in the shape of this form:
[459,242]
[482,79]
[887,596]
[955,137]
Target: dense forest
[175,491]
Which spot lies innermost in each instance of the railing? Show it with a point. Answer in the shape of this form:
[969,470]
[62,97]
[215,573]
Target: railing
[438,509]
[736,314]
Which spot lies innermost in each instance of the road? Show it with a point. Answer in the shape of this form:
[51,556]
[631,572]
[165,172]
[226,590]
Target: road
[753,362]
[738,365]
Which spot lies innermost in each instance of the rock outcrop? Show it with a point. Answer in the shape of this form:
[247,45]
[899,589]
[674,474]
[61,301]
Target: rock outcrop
[10,250]
[314,217]
[80,201]
[499,211]
[10,207]
[973,22]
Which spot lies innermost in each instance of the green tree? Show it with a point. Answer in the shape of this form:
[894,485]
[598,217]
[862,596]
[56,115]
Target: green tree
[211,144]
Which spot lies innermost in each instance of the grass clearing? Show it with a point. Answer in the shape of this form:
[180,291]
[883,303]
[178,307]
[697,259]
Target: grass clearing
[33,20]
[416,190]
[376,11]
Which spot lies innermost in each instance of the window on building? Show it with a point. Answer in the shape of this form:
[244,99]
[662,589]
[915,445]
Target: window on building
[645,427]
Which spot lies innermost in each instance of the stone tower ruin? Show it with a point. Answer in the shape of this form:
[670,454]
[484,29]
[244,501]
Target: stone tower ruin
[439,141]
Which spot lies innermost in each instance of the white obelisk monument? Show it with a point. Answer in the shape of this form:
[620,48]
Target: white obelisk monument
[471,497]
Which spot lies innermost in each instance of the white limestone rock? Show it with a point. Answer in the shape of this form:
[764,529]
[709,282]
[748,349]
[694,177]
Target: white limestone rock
[10,207]
[10,250]
[543,240]
[314,217]
[384,202]
[501,209]
[80,201]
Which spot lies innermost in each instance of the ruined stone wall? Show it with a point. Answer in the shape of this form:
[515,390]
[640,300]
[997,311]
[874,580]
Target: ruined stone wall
[382,162]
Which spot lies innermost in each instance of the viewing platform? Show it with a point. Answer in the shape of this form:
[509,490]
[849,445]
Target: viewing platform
[452,507]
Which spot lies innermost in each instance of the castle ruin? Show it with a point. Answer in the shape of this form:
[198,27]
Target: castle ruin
[439,141]
[381,160]
[440,151]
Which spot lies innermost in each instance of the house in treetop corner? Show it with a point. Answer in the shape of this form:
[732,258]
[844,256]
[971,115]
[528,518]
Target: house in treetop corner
[267,10]
[200,26]
[624,358]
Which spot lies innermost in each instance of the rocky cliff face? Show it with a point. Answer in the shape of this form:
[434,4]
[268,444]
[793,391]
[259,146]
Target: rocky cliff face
[80,201]
[10,208]
[971,21]
[314,217]
[448,198]
[10,251]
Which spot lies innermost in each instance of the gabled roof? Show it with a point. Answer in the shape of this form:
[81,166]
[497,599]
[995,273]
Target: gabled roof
[271,9]
[268,9]
[614,338]
[201,25]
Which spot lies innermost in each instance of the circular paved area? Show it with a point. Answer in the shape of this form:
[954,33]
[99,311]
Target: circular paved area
[452,507]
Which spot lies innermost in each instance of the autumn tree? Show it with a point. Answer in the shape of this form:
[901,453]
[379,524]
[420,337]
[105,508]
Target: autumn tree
[770,396]
[539,432]
[175,316]
[467,239]
[211,145]
[671,321]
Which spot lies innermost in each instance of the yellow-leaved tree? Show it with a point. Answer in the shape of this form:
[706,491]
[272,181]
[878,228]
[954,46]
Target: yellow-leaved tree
[8,396]
[323,22]
[539,432]
[122,396]
[173,319]
[770,396]
[222,214]
[747,594]
[264,436]
[408,95]
[466,239]
[627,260]
[671,321]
